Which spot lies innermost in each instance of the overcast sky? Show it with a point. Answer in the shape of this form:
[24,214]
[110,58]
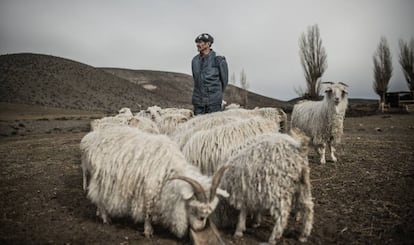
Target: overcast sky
[260,37]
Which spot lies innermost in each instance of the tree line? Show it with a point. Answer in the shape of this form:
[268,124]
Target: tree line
[314,62]
[313,58]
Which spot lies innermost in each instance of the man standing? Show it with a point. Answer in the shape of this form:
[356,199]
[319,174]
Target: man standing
[210,74]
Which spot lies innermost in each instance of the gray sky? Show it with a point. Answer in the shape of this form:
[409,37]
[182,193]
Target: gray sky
[260,37]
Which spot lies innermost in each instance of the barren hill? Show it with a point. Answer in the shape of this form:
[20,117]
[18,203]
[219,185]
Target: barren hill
[49,81]
[37,79]
[175,88]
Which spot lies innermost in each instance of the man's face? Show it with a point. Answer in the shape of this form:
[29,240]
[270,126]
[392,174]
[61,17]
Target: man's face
[201,46]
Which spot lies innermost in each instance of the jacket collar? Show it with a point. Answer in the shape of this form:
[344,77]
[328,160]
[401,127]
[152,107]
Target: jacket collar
[202,57]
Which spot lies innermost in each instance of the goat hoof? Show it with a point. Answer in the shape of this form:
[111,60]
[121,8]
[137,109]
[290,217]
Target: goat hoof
[238,234]
[256,225]
[148,232]
[105,218]
[273,242]
[298,217]
[107,221]
[148,235]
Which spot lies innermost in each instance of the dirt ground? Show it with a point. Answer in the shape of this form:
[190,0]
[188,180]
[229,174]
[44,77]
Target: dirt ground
[365,198]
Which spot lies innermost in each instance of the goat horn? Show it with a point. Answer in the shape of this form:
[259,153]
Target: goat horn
[346,85]
[216,181]
[198,189]
[327,83]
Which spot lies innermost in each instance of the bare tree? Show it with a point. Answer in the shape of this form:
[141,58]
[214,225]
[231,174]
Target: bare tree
[301,92]
[233,79]
[382,69]
[407,62]
[232,92]
[313,59]
[245,86]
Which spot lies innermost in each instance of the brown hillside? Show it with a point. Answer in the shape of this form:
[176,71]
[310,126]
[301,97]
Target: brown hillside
[171,84]
[174,87]
[36,79]
[49,81]
[44,80]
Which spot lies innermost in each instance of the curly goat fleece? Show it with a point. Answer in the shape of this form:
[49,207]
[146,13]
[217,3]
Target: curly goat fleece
[167,119]
[91,141]
[185,112]
[207,148]
[144,124]
[184,131]
[169,122]
[131,175]
[323,120]
[181,136]
[275,114]
[155,112]
[108,122]
[270,172]
[125,111]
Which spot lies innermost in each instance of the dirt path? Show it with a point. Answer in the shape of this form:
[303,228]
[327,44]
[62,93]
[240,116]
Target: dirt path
[366,198]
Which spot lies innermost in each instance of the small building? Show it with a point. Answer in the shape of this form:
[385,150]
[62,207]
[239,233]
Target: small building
[403,100]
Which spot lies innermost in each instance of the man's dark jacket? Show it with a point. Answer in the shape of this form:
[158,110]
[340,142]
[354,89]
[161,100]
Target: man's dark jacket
[210,75]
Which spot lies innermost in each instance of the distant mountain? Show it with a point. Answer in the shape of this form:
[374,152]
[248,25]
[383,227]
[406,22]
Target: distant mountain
[44,80]
[37,79]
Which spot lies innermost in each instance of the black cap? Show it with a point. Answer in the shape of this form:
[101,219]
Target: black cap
[205,37]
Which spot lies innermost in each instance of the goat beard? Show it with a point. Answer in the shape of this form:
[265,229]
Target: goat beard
[208,236]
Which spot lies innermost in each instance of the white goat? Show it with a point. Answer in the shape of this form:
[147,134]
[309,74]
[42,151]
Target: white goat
[152,112]
[232,106]
[122,118]
[147,177]
[126,112]
[108,122]
[323,120]
[144,124]
[155,112]
[167,119]
[185,112]
[184,132]
[275,114]
[269,173]
[168,123]
[206,148]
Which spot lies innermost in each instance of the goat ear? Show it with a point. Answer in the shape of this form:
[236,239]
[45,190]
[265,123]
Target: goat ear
[344,84]
[196,187]
[187,193]
[222,193]
[133,121]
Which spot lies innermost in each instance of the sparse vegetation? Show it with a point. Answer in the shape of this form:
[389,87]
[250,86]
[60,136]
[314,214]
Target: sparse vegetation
[407,62]
[313,59]
[231,91]
[245,86]
[382,70]
[366,198]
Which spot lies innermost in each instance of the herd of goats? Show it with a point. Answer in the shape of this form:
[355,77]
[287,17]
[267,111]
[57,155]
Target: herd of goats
[196,174]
